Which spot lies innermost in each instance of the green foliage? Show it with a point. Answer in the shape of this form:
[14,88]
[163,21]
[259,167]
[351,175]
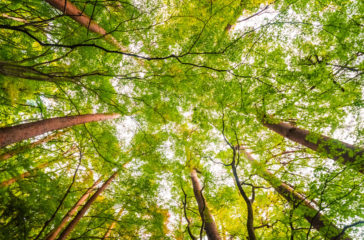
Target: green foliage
[191,80]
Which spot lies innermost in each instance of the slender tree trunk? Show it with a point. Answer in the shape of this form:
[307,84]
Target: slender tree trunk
[82,212]
[339,151]
[309,209]
[21,149]
[210,225]
[250,220]
[23,175]
[112,225]
[54,233]
[79,16]
[31,73]
[9,135]
[31,172]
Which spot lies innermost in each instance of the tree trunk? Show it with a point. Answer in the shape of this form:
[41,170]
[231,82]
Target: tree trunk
[29,72]
[250,220]
[339,151]
[82,212]
[31,172]
[72,11]
[112,225]
[9,135]
[210,226]
[21,149]
[309,209]
[23,175]
[54,233]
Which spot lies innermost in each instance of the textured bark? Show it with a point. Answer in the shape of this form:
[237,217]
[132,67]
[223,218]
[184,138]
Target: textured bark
[16,151]
[54,233]
[23,175]
[210,225]
[112,225]
[339,151]
[250,220]
[76,14]
[84,209]
[9,135]
[310,212]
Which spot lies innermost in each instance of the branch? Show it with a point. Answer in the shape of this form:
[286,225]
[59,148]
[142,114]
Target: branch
[185,213]
[345,228]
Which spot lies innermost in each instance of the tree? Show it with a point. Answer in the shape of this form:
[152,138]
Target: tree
[112,226]
[54,233]
[342,152]
[188,78]
[207,219]
[309,210]
[87,205]
[9,135]
[18,150]
[71,10]
[249,203]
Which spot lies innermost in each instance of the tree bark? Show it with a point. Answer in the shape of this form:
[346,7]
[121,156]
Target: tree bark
[112,225]
[82,212]
[250,220]
[210,225]
[309,209]
[79,16]
[339,151]
[9,135]
[21,149]
[54,233]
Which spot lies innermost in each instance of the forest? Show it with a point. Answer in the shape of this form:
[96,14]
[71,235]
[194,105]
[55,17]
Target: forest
[181,119]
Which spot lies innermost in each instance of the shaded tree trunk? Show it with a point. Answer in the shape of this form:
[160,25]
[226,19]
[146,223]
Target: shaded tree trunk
[79,16]
[21,149]
[9,135]
[308,208]
[83,210]
[112,225]
[210,225]
[250,219]
[54,233]
[31,73]
[339,151]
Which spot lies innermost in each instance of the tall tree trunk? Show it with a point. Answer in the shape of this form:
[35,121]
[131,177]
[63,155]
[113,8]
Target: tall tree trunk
[339,151]
[250,220]
[9,135]
[308,208]
[21,149]
[79,16]
[82,212]
[112,225]
[210,225]
[54,233]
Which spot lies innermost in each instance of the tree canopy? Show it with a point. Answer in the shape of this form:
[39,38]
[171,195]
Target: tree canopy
[243,115]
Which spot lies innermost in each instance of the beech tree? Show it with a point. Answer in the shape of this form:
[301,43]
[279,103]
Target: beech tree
[181,85]
[9,135]
[341,151]
[206,217]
